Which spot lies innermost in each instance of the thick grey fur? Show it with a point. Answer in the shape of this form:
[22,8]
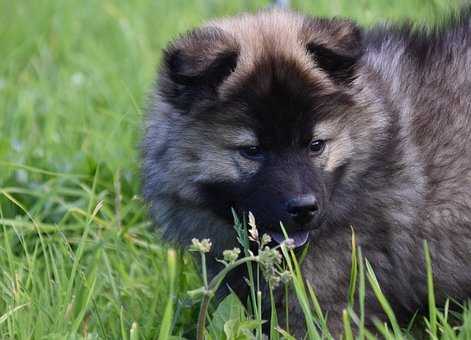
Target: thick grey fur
[406,178]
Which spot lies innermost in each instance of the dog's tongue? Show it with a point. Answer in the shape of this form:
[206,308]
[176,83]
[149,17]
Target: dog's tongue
[299,237]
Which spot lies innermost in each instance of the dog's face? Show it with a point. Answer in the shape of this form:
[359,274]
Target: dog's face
[264,117]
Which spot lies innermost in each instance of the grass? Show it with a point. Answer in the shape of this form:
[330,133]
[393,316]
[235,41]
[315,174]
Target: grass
[78,258]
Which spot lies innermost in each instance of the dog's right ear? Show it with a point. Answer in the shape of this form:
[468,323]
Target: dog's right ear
[195,65]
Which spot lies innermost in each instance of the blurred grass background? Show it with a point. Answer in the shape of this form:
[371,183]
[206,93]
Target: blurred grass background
[77,255]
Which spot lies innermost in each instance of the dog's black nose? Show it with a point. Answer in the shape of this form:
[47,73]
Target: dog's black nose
[302,208]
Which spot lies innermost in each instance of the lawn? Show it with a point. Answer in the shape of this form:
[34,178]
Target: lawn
[78,257]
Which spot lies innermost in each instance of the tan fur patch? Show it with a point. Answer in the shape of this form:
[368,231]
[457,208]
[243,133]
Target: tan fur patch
[339,144]
[236,137]
[218,155]
[271,33]
[224,165]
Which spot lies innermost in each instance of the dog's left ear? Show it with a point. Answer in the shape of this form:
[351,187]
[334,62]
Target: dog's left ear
[335,46]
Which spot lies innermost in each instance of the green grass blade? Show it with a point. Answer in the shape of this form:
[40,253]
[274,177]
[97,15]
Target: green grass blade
[348,333]
[430,294]
[274,334]
[361,294]
[167,320]
[383,302]
[300,290]
[353,272]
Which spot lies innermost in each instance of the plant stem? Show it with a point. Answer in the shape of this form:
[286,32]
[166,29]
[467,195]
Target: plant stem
[216,281]
[211,288]
[202,317]
[205,274]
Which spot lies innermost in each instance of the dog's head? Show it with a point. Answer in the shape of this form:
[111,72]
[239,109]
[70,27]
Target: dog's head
[264,113]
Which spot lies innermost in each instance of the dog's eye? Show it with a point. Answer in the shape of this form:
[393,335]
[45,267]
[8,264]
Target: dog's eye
[251,152]
[317,146]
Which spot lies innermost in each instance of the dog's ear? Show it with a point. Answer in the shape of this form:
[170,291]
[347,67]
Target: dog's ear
[196,64]
[335,45]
